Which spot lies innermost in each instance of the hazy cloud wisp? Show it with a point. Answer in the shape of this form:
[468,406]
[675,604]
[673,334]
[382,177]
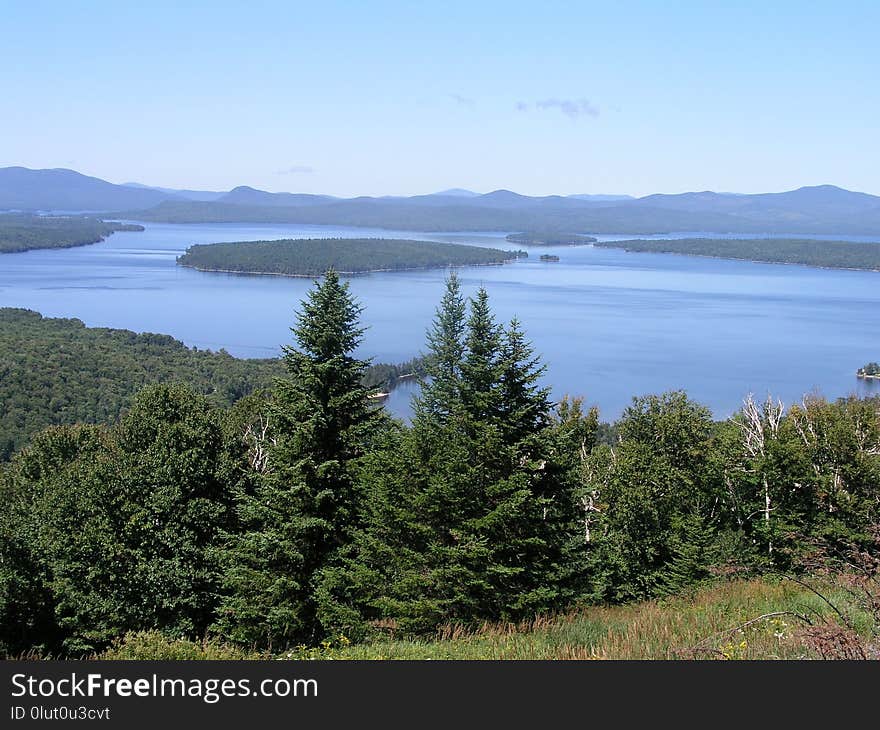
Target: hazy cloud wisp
[462,100]
[572,108]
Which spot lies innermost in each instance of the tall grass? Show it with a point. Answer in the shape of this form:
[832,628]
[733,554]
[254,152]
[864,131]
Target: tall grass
[741,619]
[745,619]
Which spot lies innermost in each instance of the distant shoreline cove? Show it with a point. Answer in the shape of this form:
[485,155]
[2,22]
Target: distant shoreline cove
[344,273]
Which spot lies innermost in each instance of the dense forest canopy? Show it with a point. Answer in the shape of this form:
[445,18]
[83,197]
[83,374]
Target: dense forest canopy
[809,252]
[20,232]
[58,371]
[550,239]
[308,514]
[314,256]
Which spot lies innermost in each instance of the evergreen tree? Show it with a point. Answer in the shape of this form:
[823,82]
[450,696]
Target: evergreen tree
[440,392]
[304,507]
[470,516]
[523,404]
[480,369]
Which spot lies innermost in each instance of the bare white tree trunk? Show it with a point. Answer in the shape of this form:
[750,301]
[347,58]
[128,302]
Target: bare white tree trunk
[759,425]
[257,438]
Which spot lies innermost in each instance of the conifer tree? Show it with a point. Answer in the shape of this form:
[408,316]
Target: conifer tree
[480,372]
[524,405]
[469,515]
[304,507]
[440,392]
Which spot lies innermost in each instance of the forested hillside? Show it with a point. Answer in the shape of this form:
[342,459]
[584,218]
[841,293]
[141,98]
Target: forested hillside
[314,256]
[58,371]
[26,232]
[308,518]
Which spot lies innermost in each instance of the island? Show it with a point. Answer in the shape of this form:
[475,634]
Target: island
[313,256]
[871,370]
[19,232]
[549,257]
[803,251]
[550,239]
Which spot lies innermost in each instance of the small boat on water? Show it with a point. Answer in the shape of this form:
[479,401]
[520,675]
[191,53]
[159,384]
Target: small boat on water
[381,395]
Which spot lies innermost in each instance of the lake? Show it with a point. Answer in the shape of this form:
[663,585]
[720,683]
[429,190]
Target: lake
[609,324]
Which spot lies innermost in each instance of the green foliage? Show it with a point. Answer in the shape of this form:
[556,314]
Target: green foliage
[304,505]
[468,514]
[645,490]
[156,646]
[810,252]
[114,527]
[58,371]
[26,232]
[314,256]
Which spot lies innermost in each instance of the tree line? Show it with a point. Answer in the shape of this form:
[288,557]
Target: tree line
[808,252]
[307,512]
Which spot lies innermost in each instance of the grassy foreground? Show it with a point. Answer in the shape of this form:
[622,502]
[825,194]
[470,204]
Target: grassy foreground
[742,619]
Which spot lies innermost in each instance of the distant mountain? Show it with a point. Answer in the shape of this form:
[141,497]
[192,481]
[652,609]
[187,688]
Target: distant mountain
[824,209]
[244,195]
[60,189]
[600,198]
[457,193]
[818,204]
[204,195]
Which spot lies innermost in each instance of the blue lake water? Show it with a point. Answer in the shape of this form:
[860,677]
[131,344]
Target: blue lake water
[609,324]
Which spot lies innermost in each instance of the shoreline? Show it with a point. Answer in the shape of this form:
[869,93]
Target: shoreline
[343,273]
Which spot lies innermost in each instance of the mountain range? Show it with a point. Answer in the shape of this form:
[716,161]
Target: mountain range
[823,209]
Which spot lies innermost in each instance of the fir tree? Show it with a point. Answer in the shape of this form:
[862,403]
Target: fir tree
[304,507]
[480,365]
[440,393]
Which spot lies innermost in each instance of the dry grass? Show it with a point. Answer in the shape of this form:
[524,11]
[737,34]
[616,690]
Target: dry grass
[744,619]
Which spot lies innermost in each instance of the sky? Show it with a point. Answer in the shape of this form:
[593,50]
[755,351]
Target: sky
[399,98]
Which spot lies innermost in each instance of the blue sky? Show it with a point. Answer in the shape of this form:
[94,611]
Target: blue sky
[374,98]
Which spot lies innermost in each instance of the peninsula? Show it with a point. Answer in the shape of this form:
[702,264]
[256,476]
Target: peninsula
[804,251]
[19,232]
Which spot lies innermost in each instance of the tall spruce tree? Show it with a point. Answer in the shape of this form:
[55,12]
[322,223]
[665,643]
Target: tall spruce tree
[480,369]
[469,516]
[304,507]
[440,392]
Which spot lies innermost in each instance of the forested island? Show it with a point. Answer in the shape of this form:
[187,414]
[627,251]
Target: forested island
[303,522]
[314,256]
[550,239]
[871,370]
[20,232]
[58,371]
[808,252]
